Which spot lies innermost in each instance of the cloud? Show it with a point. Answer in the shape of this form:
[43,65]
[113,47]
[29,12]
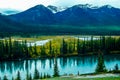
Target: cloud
[114,3]
[25,4]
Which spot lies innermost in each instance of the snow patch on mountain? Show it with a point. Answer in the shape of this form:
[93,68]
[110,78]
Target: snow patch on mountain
[55,9]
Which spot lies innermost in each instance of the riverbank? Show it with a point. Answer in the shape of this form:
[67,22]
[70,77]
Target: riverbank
[52,56]
[58,56]
[107,76]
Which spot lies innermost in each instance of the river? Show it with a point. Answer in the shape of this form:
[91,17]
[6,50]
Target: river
[83,64]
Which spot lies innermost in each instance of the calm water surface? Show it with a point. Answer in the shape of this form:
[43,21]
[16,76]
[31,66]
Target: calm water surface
[84,64]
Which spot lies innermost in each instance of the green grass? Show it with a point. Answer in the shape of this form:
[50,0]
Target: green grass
[71,78]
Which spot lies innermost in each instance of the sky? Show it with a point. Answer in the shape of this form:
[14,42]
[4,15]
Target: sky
[26,4]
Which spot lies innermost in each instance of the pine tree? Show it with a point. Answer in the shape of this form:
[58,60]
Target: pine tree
[91,45]
[78,46]
[50,48]
[18,76]
[64,47]
[5,78]
[1,50]
[56,71]
[6,49]
[30,49]
[103,42]
[74,46]
[12,78]
[35,50]
[100,65]
[36,74]
[48,76]
[28,77]
[41,76]
[10,47]
[44,76]
[83,47]
[116,67]
[78,73]
[70,49]
[118,43]
[26,51]
[43,53]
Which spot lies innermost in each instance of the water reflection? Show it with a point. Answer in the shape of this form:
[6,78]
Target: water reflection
[84,64]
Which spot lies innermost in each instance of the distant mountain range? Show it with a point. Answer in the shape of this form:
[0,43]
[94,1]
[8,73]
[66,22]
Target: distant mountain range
[80,15]
[9,11]
[61,19]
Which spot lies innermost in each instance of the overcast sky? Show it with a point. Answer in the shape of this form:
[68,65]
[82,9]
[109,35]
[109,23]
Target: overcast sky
[25,4]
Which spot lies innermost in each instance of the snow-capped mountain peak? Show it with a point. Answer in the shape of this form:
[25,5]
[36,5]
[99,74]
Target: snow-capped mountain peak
[84,5]
[55,9]
[108,6]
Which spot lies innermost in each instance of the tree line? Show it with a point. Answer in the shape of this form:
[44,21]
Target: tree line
[14,49]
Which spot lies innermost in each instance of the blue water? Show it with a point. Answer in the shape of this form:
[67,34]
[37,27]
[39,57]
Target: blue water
[84,64]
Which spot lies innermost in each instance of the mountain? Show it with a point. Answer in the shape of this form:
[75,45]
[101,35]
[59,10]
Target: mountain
[78,15]
[35,15]
[78,19]
[107,15]
[9,11]
[55,9]
[7,25]
[85,15]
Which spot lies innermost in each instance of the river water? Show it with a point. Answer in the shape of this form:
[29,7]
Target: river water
[69,65]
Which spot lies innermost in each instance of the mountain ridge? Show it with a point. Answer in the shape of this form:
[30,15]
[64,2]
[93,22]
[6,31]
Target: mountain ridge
[81,15]
[78,19]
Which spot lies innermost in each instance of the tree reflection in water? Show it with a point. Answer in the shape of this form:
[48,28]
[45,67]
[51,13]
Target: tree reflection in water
[83,64]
